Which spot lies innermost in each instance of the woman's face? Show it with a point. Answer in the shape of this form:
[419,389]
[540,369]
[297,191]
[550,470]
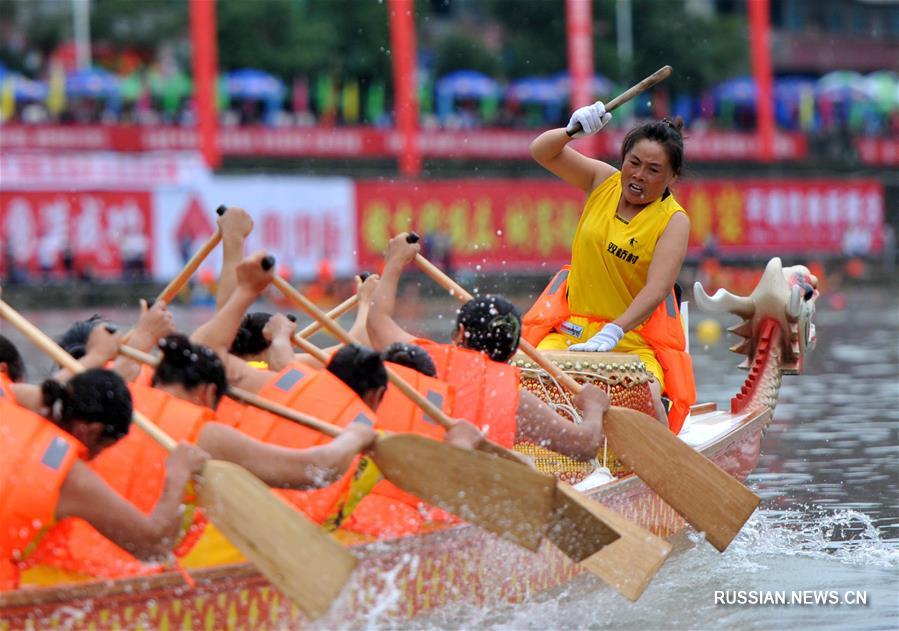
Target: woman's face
[646,173]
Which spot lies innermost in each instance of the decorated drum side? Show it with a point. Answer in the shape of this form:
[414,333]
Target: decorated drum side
[622,375]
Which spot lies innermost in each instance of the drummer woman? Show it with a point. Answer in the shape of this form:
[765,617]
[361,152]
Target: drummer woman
[626,255]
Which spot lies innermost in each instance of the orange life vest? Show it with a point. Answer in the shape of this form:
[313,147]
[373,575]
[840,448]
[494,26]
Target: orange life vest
[135,468]
[663,332]
[315,392]
[386,511]
[36,458]
[486,391]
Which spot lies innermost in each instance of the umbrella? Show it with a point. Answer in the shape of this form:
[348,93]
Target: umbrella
[92,82]
[883,88]
[253,85]
[463,84]
[739,91]
[841,85]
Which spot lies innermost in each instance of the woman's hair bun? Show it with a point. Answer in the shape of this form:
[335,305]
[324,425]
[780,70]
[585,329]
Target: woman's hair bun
[178,350]
[54,397]
[367,359]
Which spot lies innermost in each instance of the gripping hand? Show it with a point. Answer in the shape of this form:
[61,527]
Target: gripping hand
[588,120]
[602,342]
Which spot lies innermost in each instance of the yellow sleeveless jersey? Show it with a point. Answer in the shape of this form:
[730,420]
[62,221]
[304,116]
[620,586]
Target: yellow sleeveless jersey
[610,257]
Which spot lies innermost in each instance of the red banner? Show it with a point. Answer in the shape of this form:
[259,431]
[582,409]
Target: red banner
[878,151]
[95,230]
[516,225]
[368,142]
[494,224]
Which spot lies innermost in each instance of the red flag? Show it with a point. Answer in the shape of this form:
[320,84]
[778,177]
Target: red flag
[579,25]
[760,40]
[402,49]
[205,66]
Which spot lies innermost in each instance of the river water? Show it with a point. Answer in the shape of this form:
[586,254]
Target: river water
[828,477]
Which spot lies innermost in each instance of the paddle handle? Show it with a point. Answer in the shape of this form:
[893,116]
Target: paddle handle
[434,412]
[308,347]
[440,277]
[174,287]
[57,354]
[248,397]
[336,312]
[659,75]
[177,284]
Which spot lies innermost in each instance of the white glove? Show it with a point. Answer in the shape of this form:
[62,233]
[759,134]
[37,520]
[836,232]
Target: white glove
[602,342]
[591,118]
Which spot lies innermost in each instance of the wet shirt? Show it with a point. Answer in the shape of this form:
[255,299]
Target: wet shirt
[610,257]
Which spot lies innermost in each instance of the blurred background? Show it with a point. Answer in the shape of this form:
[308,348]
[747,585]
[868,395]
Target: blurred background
[338,123]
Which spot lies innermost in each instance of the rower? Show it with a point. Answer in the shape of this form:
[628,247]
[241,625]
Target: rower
[187,385]
[485,336]
[46,480]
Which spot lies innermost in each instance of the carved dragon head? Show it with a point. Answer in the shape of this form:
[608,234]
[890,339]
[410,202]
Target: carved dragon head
[785,295]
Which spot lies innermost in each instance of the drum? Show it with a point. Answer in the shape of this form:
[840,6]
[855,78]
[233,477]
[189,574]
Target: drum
[622,375]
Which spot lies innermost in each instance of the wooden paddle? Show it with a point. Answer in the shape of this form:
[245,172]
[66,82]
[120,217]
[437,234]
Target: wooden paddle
[709,499]
[659,75]
[580,525]
[298,557]
[491,493]
[177,284]
[347,305]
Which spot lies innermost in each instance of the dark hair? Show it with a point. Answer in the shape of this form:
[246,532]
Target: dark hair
[410,356]
[94,396]
[666,133]
[74,340]
[492,326]
[10,356]
[361,368]
[249,339]
[190,365]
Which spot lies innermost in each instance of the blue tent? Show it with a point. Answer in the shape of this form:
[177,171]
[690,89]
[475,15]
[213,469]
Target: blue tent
[92,82]
[24,89]
[256,85]
[463,84]
[739,91]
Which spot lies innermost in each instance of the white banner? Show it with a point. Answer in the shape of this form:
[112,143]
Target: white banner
[300,220]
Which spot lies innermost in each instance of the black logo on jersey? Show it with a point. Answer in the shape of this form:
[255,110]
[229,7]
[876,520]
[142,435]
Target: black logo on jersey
[632,242]
[624,255]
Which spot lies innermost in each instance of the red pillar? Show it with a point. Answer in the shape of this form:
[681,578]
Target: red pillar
[760,43]
[579,27]
[402,50]
[205,67]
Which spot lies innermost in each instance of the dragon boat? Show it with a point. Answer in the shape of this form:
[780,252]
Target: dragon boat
[410,576]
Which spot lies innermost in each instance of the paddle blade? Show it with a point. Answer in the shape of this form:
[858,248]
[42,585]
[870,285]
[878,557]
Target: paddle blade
[710,499]
[629,562]
[576,528]
[295,555]
[497,495]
